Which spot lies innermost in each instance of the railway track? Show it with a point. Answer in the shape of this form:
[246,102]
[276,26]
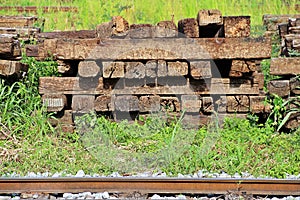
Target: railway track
[151,185]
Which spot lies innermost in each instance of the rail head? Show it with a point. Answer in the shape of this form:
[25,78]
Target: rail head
[151,185]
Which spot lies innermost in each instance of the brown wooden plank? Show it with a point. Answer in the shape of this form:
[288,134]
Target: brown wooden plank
[83,103]
[9,68]
[70,85]
[54,102]
[271,21]
[9,47]
[89,68]
[154,49]
[279,87]
[180,48]
[177,68]
[117,27]
[238,104]
[200,69]
[149,103]
[135,70]
[237,26]
[139,31]
[206,17]
[17,21]
[20,32]
[295,85]
[81,34]
[241,67]
[126,103]
[113,69]
[207,104]
[259,105]
[103,103]
[285,66]
[165,29]
[189,27]
[191,103]
[75,85]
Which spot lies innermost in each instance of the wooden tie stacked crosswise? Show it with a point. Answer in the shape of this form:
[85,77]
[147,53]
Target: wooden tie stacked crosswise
[208,64]
[12,28]
[287,67]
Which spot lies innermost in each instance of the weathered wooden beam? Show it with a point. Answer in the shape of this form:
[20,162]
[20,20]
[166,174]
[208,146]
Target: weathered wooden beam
[54,102]
[9,68]
[139,31]
[191,103]
[165,29]
[20,32]
[103,103]
[81,34]
[17,21]
[153,49]
[9,47]
[126,103]
[135,70]
[200,69]
[279,87]
[207,104]
[89,68]
[113,69]
[295,85]
[149,103]
[177,68]
[189,27]
[259,105]
[271,21]
[70,85]
[117,27]
[74,85]
[285,66]
[206,17]
[238,104]
[237,26]
[83,103]
[283,29]
[240,67]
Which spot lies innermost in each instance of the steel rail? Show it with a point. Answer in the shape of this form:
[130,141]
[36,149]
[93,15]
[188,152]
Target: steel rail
[151,185]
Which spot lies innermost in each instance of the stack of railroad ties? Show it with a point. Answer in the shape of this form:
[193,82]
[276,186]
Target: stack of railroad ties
[287,65]
[12,30]
[208,64]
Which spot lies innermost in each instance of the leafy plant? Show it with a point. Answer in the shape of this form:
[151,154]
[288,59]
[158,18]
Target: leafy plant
[293,108]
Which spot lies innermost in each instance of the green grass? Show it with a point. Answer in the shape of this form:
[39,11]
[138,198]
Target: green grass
[92,12]
[130,147]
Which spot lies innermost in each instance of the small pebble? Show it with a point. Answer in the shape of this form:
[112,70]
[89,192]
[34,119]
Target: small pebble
[155,196]
[31,175]
[56,175]
[67,195]
[105,195]
[181,197]
[80,173]
[98,196]
[115,174]
[180,176]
